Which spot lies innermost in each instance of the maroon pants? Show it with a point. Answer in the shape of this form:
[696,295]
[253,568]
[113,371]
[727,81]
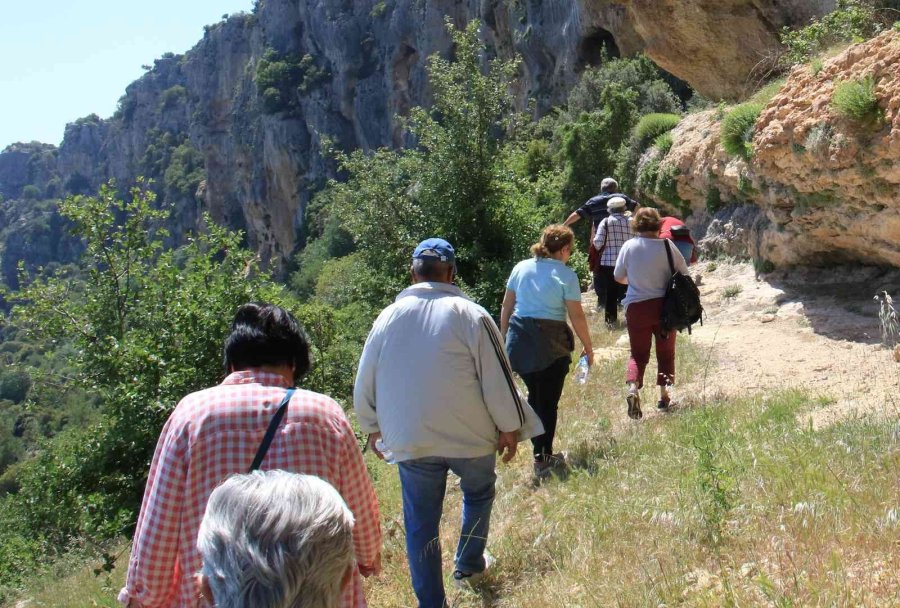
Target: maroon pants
[643,322]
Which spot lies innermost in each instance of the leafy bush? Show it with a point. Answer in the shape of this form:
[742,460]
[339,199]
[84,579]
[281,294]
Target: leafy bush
[589,144]
[185,171]
[651,126]
[282,79]
[171,97]
[737,129]
[637,74]
[852,20]
[659,180]
[713,199]
[31,192]
[856,100]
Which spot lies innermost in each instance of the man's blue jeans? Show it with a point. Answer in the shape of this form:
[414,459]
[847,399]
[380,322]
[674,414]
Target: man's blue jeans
[424,482]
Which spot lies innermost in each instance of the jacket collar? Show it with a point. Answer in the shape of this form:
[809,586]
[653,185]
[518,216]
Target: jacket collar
[432,289]
[255,376]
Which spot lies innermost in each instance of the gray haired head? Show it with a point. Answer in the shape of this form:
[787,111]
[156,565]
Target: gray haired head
[275,539]
[609,185]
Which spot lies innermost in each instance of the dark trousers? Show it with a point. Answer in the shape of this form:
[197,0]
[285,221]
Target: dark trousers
[544,390]
[643,320]
[612,293]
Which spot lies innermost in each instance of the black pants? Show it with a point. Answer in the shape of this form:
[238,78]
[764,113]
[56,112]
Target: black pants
[612,291]
[544,390]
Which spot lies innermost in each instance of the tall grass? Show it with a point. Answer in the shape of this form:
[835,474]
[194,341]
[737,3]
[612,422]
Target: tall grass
[651,126]
[737,129]
[856,100]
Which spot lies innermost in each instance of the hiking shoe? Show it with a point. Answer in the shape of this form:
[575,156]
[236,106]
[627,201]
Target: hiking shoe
[543,469]
[634,406]
[558,461]
[466,580]
[663,404]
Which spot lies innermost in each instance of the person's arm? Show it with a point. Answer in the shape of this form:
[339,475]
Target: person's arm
[579,323]
[573,218]
[498,388]
[364,387]
[153,574]
[506,310]
[356,488]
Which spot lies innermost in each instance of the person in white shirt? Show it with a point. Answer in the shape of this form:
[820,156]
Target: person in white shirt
[644,266]
[434,384]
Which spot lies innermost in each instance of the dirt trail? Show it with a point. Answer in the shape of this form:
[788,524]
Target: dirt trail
[811,331]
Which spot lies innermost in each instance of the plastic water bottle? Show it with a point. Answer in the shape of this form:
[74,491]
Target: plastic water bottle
[388,455]
[581,372]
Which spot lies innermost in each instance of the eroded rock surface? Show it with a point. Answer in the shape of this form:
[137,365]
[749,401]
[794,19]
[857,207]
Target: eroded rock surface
[828,187]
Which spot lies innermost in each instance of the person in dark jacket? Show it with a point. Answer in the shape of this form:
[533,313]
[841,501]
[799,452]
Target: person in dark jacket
[540,293]
[595,209]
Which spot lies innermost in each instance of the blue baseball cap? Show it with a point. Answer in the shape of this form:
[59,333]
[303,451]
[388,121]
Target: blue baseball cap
[435,249]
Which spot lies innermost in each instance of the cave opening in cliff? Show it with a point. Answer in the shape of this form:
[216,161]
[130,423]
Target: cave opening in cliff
[593,47]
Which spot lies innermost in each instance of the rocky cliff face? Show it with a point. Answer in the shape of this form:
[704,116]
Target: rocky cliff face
[199,125]
[826,187]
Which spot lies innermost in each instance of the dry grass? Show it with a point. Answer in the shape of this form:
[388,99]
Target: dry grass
[731,503]
[713,504]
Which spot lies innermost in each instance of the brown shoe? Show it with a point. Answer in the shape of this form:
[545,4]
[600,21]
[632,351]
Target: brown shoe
[634,406]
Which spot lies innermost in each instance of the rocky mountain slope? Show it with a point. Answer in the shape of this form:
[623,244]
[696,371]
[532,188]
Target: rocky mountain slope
[235,126]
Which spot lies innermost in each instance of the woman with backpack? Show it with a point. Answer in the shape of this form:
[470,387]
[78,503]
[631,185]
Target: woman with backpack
[643,265]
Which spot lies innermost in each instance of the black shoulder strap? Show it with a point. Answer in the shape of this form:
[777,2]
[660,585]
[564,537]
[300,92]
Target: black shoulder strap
[270,432]
[669,255]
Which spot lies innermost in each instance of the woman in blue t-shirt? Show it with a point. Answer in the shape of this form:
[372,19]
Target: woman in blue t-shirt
[540,293]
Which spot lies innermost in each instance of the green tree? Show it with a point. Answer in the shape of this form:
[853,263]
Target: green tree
[454,184]
[147,324]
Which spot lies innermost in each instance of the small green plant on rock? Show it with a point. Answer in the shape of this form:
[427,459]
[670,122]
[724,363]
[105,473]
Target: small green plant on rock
[664,143]
[732,291]
[856,101]
[738,127]
[651,126]
[713,199]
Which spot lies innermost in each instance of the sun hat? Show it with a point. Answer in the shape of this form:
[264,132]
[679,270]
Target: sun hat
[435,249]
[616,202]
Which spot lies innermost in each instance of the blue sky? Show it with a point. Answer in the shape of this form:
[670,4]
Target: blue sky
[63,59]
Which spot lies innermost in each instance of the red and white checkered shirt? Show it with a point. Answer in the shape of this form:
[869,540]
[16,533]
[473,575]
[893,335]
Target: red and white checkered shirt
[211,435]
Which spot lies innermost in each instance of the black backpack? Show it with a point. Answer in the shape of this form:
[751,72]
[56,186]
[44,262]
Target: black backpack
[681,304]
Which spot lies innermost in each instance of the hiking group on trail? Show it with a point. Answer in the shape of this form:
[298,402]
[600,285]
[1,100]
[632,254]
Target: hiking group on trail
[237,511]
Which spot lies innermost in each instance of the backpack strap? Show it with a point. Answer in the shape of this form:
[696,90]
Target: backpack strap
[270,432]
[605,236]
[669,255]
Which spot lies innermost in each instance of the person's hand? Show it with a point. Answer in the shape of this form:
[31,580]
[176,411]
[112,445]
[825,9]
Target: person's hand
[508,441]
[370,443]
[589,353]
[372,570]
